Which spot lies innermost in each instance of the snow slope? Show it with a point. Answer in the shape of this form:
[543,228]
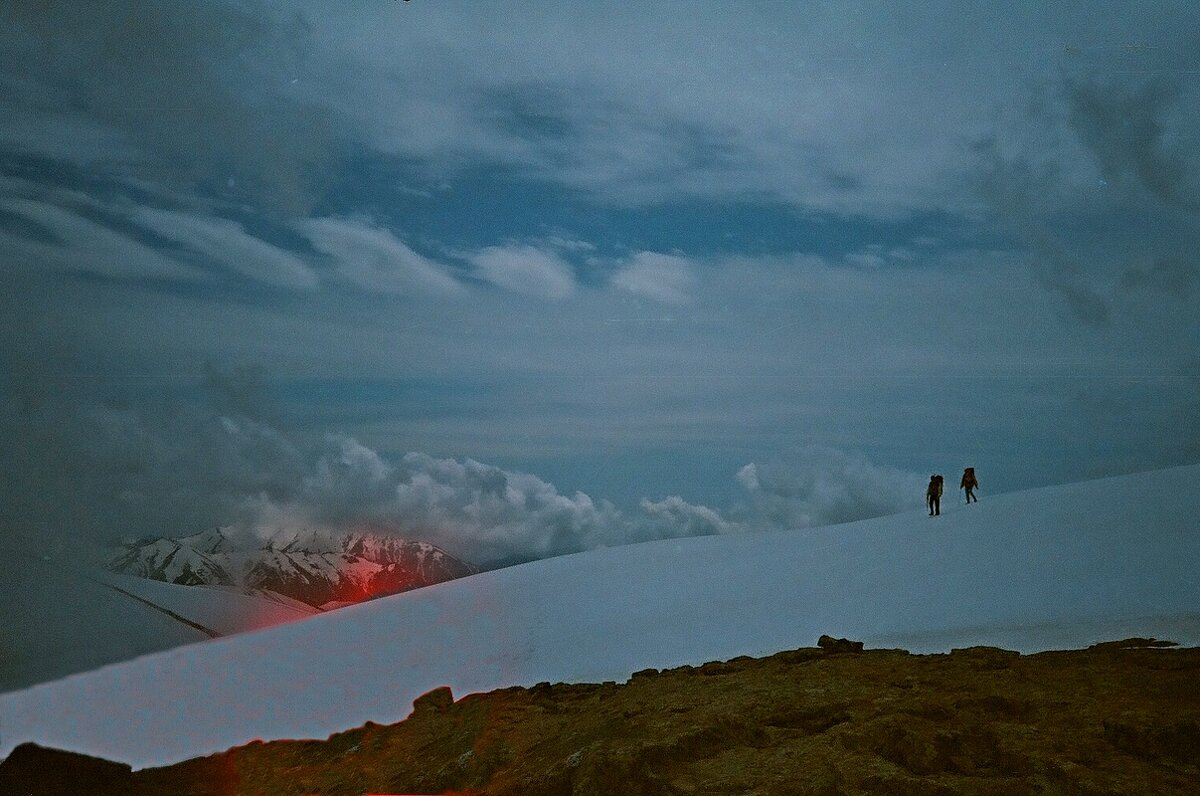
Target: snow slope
[1055,567]
[58,619]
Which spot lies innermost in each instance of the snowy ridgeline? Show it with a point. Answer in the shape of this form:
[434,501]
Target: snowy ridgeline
[318,569]
[1056,567]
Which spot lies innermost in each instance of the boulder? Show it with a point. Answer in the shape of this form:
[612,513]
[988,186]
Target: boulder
[831,644]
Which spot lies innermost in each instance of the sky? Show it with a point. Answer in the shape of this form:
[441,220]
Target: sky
[523,280]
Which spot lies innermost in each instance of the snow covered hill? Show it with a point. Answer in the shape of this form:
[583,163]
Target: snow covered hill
[318,569]
[1056,567]
[58,619]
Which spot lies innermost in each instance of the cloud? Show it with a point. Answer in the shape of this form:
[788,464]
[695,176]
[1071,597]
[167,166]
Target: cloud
[661,277]
[1064,275]
[226,243]
[85,472]
[90,472]
[81,245]
[481,512]
[674,517]
[80,470]
[374,259]
[823,486]
[206,95]
[525,269]
[1125,129]
[630,109]
[487,514]
[1097,180]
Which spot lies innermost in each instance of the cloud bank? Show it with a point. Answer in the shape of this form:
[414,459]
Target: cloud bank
[92,474]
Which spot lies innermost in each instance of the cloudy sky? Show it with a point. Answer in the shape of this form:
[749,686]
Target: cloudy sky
[524,279]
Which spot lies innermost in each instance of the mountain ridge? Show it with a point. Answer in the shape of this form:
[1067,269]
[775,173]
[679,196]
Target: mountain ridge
[320,569]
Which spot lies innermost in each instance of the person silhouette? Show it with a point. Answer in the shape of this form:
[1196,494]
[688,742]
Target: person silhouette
[970,483]
[933,494]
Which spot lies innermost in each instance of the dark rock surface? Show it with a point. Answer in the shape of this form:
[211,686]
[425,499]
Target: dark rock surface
[831,644]
[32,769]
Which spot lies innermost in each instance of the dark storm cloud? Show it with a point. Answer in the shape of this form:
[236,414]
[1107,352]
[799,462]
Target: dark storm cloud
[1122,126]
[1102,184]
[177,93]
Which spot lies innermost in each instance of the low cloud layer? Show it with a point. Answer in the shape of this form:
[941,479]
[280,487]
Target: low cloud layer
[90,473]
[823,486]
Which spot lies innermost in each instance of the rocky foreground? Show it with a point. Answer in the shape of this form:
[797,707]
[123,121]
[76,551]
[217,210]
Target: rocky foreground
[1118,718]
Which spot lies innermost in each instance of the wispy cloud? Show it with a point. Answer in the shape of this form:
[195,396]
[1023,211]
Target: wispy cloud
[85,246]
[226,243]
[665,278]
[373,258]
[525,269]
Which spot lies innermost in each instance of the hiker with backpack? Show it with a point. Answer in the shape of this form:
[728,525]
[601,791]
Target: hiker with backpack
[970,483]
[933,494]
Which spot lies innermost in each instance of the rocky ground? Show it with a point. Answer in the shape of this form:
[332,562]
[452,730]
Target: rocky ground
[1120,718]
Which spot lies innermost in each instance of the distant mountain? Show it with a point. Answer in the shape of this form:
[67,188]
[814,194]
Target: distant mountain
[319,569]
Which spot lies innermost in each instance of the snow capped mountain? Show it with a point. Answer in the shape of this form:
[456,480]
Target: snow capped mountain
[319,569]
[1057,567]
[188,561]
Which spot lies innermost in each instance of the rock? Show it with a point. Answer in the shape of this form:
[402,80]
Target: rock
[831,644]
[439,700]
[35,770]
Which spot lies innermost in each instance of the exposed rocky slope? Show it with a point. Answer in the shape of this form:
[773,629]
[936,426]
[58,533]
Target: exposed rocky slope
[324,571]
[1122,718]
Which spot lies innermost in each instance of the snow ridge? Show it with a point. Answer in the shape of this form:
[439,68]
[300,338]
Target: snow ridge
[317,568]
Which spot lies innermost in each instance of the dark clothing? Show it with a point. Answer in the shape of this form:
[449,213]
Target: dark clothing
[933,495]
[969,483]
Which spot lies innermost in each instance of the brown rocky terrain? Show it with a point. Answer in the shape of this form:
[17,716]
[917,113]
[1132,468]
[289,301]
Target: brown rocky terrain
[1118,718]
